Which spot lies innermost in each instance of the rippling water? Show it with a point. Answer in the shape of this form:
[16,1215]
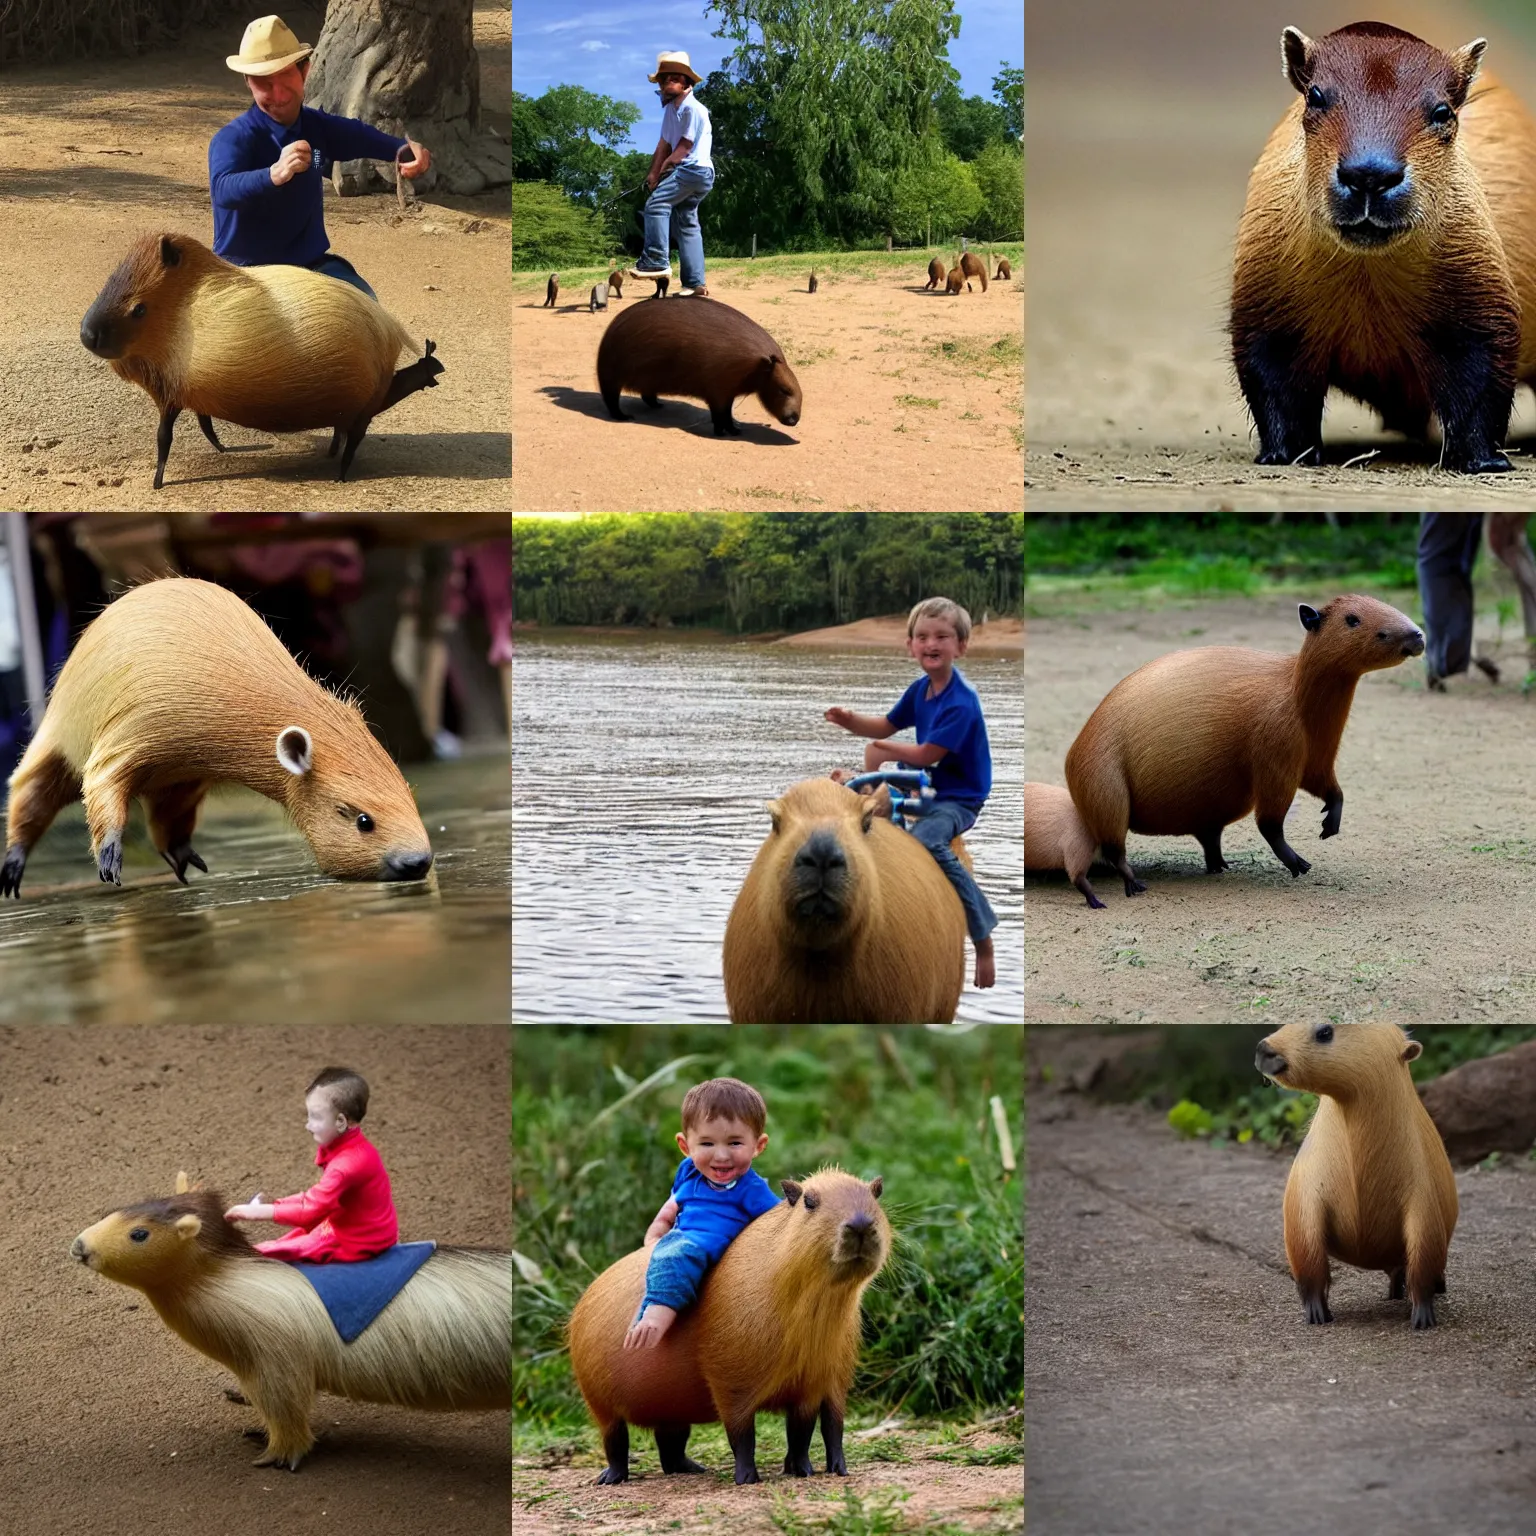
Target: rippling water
[639,772]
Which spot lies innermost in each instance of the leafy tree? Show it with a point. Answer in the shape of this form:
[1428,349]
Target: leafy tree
[1008,87]
[968,124]
[939,198]
[999,174]
[570,136]
[549,230]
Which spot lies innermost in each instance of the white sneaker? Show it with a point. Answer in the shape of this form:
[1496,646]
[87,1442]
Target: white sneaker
[665,272]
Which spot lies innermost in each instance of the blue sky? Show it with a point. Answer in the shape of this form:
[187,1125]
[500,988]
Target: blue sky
[611,48]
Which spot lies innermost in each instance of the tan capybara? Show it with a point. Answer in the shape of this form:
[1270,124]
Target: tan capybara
[177,686]
[938,274]
[1198,739]
[973,266]
[551,291]
[1055,837]
[1004,270]
[444,1342]
[616,283]
[844,918]
[1371,1185]
[1388,248]
[776,1325]
[955,281]
[280,349]
[703,349]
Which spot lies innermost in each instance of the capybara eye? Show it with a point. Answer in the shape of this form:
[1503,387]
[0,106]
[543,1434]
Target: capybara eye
[1441,115]
[1323,1034]
[364,822]
[1351,620]
[139,1235]
[811,1201]
[1315,99]
[137,312]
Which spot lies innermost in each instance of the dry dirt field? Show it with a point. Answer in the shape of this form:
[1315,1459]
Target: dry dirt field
[95,154]
[1419,910]
[912,400]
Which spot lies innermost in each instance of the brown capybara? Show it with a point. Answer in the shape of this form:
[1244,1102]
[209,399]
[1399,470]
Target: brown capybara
[1197,739]
[616,283]
[955,281]
[844,918]
[775,1325]
[444,1342]
[938,274]
[1055,837]
[1388,248]
[280,349]
[1371,1185]
[703,349]
[811,286]
[973,266]
[178,686]
[599,299]
[551,291]
[1004,271]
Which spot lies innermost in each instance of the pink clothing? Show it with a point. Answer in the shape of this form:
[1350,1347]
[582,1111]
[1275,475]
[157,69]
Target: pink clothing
[349,1214]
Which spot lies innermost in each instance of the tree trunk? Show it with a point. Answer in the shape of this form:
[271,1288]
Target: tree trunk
[408,67]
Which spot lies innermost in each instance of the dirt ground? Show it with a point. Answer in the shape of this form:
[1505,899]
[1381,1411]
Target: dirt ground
[94,155]
[889,424]
[111,1423]
[1000,637]
[1139,154]
[1172,1385]
[1417,911]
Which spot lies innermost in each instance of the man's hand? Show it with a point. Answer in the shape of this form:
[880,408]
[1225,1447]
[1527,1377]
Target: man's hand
[294,161]
[411,169]
[837,715]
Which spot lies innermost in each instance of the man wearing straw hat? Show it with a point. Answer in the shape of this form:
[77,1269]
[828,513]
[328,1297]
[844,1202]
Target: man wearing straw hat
[681,174]
[265,168]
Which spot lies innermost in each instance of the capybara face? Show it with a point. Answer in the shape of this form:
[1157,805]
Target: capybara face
[1379,127]
[139,300]
[1365,634]
[819,829]
[779,390]
[844,1217]
[1341,1060]
[156,1242]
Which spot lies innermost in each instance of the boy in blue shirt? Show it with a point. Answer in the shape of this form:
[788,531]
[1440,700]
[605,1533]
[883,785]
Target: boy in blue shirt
[715,1194]
[951,744]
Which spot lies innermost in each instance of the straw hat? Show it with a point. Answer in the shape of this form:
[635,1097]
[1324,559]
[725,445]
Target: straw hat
[674,60]
[267,47]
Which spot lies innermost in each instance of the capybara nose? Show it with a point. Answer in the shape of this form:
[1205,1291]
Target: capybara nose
[407,866]
[859,1223]
[89,335]
[1371,173]
[820,854]
[791,419]
[77,1250]
[1270,1062]
[1414,644]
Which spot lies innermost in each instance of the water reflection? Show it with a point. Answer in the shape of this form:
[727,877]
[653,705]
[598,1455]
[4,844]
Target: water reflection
[640,769]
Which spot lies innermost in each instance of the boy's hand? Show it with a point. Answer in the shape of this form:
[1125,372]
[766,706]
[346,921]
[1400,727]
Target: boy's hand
[837,715]
[256,1209]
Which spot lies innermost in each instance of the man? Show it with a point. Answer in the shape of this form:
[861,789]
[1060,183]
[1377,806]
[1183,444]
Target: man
[265,168]
[681,174]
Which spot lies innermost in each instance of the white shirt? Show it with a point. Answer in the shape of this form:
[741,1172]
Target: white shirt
[688,119]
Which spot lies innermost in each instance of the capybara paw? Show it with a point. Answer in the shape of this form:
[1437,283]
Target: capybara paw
[837,1466]
[180,856]
[1484,464]
[11,870]
[1135,887]
[1310,459]
[1298,866]
[748,1475]
[799,1466]
[686,1466]
[1096,904]
[1423,1315]
[109,862]
[1316,1308]
[613,1475]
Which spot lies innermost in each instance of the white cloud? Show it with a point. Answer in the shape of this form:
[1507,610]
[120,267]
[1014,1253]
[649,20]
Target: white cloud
[593,46]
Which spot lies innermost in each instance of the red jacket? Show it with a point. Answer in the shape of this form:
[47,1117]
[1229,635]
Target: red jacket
[349,1214]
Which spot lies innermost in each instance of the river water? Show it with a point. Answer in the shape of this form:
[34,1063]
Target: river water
[639,770]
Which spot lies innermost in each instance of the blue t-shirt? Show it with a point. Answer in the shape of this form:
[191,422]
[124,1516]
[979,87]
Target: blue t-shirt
[257,224]
[952,721]
[712,1214]
[689,119]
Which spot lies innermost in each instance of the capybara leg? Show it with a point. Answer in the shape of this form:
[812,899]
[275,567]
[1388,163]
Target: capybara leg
[354,437]
[1285,396]
[1272,829]
[652,401]
[1314,1301]
[1473,403]
[672,1448]
[338,436]
[799,1426]
[163,441]
[1397,1284]
[285,1413]
[172,817]
[106,792]
[743,1438]
[40,789]
[1425,1272]
[616,1449]
[206,423]
[1211,843]
[1114,853]
[725,423]
[832,1438]
[611,400]
[1333,812]
[1081,882]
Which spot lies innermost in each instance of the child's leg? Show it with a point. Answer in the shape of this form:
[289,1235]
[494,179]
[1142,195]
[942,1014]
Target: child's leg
[934,830]
[672,1280]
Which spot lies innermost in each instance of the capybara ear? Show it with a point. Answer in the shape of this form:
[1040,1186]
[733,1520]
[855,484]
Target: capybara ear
[1411,1052]
[188,1226]
[1464,66]
[1299,55]
[776,811]
[1310,618]
[182,1186]
[170,252]
[867,815]
[295,751]
[876,1185]
[791,1190]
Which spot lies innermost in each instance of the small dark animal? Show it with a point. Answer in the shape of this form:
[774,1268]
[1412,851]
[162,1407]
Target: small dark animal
[616,284]
[973,266]
[552,292]
[1004,271]
[812,287]
[937,273]
[599,299]
[956,281]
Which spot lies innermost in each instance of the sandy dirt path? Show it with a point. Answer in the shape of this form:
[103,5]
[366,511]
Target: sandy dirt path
[111,1423]
[92,156]
[1419,910]
[1139,154]
[1171,1384]
[892,420]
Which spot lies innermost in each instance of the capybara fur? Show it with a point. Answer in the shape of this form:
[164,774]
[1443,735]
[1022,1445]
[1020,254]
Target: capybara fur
[1004,270]
[551,291]
[1055,837]
[844,918]
[973,266]
[616,283]
[280,349]
[1371,1185]
[955,281]
[1388,248]
[1198,739]
[177,686]
[938,274]
[775,1325]
[703,349]
[444,1342]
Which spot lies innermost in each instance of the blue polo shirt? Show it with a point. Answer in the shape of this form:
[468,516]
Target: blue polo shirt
[953,721]
[257,224]
[713,1214]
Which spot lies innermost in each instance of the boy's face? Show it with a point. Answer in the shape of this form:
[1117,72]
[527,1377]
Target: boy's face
[673,88]
[721,1149]
[321,1119]
[934,645]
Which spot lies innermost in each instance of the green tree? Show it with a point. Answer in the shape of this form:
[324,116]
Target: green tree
[549,230]
[968,124]
[999,174]
[1008,87]
[935,200]
[570,136]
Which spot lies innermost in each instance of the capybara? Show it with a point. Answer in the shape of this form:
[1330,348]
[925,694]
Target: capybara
[177,686]
[973,266]
[1055,837]
[280,349]
[938,274]
[1388,248]
[776,1325]
[551,291]
[1004,271]
[703,349]
[844,918]
[955,281]
[811,286]
[444,1342]
[616,283]
[1197,739]
[599,299]
[1371,1185]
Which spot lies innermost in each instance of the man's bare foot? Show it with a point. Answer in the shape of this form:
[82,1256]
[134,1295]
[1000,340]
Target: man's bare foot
[986,969]
[651,1327]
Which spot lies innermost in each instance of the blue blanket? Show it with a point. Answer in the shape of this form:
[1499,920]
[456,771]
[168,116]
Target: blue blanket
[356,1292]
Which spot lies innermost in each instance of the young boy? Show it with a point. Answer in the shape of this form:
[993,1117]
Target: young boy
[681,176]
[350,1213]
[715,1194]
[951,744]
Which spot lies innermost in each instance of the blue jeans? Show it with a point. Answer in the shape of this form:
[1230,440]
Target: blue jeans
[943,820]
[1448,547]
[675,1272]
[332,265]
[672,218]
